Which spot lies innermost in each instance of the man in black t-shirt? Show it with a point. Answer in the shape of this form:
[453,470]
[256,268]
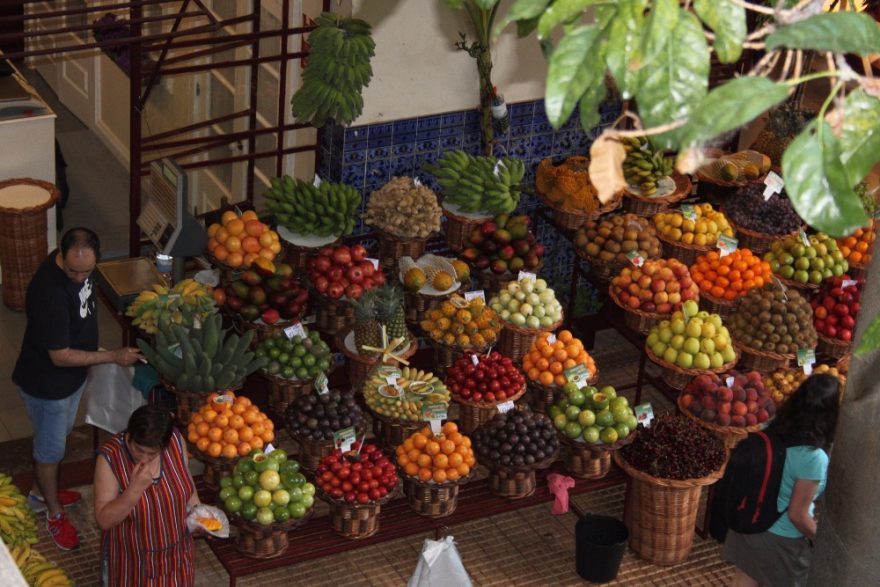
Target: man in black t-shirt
[60,343]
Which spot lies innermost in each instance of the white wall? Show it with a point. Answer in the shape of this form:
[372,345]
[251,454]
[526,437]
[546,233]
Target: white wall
[417,71]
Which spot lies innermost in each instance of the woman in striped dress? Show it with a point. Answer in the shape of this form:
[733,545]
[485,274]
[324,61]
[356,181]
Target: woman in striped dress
[143,489]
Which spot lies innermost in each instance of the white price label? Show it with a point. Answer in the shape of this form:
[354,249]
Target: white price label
[781,287]
[321,384]
[804,238]
[310,319]
[848,283]
[805,359]
[475,359]
[391,379]
[435,414]
[505,407]
[417,182]
[527,276]
[295,330]
[689,212]
[268,449]
[224,399]
[477,294]
[343,439]
[551,338]
[375,263]
[579,374]
[729,382]
[635,258]
[726,245]
[317,181]
[773,185]
[496,171]
[237,210]
[176,350]
[644,414]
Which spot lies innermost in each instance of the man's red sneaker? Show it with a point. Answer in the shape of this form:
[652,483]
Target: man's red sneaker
[65,496]
[62,532]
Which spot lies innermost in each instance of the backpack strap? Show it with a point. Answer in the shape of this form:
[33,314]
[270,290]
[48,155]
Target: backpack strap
[768,468]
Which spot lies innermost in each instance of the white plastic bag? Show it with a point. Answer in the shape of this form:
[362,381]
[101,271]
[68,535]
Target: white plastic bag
[110,397]
[440,566]
[200,514]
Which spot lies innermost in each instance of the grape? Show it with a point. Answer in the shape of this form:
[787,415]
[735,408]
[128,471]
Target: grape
[675,448]
[773,216]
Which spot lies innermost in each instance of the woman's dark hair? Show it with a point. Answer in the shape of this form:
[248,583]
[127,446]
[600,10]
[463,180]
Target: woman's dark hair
[81,238]
[809,417]
[150,426]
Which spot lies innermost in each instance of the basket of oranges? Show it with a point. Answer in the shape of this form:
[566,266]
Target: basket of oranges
[224,428]
[458,325]
[724,279]
[238,239]
[433,467]
[546,364]
[857,247]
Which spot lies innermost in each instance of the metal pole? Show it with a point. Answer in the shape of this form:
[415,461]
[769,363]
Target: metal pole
[134,161]
[252,118]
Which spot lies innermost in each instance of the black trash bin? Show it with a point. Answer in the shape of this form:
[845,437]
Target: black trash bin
[600,542]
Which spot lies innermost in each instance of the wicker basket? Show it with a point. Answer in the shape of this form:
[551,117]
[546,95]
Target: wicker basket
[215,469]
[661,513]
[331,315]
[392,248]
[757,242]
[763,362]
[391,432]
[677,377]
[713,305]
[515,341]
[832,347]
[312,451]
[586,461]
[636,320]
[297,256]
[283,391]
[446,355]
[843,363]
[472,415]
[492,283]
[417,305]
[572,220]
[857,270]
[687,254]
[23,234]
[262,331]
[257,541]
[432,500]
[649,206]
[354,521]
[543,396]
[729,435]
[516,482]
[359,366]
[805,289]
[187,402]
[458,229]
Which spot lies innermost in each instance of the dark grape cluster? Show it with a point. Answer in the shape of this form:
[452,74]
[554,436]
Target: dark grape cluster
[516,439]
[675,448]
[317,416]
[773,216]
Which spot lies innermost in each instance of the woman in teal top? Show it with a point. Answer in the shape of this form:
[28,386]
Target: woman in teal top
[780,557]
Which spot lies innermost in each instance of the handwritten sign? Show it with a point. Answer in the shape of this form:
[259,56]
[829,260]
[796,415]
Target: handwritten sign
[321,384]
[527,276]
[689,212]
[505,407]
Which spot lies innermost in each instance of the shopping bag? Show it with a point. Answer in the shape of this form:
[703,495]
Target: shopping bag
[440,566]
[110,396]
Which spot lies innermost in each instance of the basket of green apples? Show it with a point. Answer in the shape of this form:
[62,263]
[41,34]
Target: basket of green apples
[591,422]
[266,497]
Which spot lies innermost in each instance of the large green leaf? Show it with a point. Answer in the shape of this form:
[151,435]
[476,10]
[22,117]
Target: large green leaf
[817,183]
[870,338]
[860,135]
[728,21]
[840,32]
[677,79]
[486,4]
[730,106]
[455,4]
[522,10]
[588,107]
[660,26]
[624,56]
[561,11]
[574,66]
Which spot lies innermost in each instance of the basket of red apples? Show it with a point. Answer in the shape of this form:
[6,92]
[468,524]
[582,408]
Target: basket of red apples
[835,309]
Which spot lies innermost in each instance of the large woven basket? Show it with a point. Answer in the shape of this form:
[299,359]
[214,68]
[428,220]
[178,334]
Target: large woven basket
[432,500]
[588,461]
[642,206]
[515,341]
[352,520]
[359,366]
[331,315]
[661,513]
[187,402]
[283,391]
[228,274]
[215,469]
[567,219]
[516,482]
[757,242]
[263,542]
[805,289]
[729,435]
[687,254]
[297,256]
[23,234]
[677,377]
[392,248]
[764,362]
[472,415]
[458,229]
[312,451]
[832,347]
[636,320]
[391,432]
[713,305]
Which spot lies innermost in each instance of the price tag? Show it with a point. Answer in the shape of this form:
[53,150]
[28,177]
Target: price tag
[237,210]
[527,276]
[848,283]
[321,385]
[805,359]
[729,382]
[635,224]
[295,330]
[475,359]
[435,414]
[496,171]
[804,238]
[726,244]
[176,350]
[317,181]
[375,263]
[391,378]
[689,212]
[579,374]
[477,294]
[417,182]
[505,407]
[551,338]
[773,185]
[782,287]
[644,414]
[635,258]
[174,296]
[310,319]
[224,399]
[343,439]
[268,449]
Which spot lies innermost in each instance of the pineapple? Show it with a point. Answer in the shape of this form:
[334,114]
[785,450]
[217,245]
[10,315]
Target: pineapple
[367,330]
[389,311]
[783,125]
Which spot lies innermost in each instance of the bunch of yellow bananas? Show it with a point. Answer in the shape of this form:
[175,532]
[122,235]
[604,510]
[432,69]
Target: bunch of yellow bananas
[179,305]
[17,524]
[37,571]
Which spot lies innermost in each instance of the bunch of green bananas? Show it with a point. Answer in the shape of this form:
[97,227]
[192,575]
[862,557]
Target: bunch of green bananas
[178,305]
[299,206]
[202,359]
[479,184]
[643,166]
[338,69]
[36,570]
[17,525]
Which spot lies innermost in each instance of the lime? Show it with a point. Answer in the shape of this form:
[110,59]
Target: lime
[248,511]
[232,504]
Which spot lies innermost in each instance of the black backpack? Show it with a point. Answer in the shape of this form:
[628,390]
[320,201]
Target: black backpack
[745,497]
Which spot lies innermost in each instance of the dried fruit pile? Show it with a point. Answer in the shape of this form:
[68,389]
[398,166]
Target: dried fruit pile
[404,209]
[675,448]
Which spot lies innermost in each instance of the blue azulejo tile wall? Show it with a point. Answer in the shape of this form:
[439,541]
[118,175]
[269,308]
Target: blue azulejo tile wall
[367,156]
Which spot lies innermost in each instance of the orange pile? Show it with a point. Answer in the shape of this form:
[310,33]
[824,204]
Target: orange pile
[241,239]
[546,363]
[857,247]
[729,277]
[446,457]
[229,428]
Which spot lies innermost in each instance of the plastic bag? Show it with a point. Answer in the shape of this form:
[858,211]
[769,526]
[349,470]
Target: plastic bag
[209,519]
[440,566]
[110,397]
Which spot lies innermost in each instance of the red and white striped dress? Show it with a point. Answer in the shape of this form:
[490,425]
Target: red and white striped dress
[152,546]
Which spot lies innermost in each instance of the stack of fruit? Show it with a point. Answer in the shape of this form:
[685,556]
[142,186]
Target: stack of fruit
[723,279]
[835,311]
[260,297]
[645,167]
[180,304]
[295,357]
[479,184]
[547,361]
[691,342]
[463,324]
[758,221]
[857,248]
[770,325]
[782,383]
[304,209]
[36,569]
[735,169]
[686,234]
[806,265]
[404,398]
[568,191]
[478,383]
[428,281]
[607,241]
[728,404]
[526,307]
[343,271]
[598,417]
[503,245]
[239,239]
[313,418]
[654,290]
[17,524]
[229,426]
[361,479]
